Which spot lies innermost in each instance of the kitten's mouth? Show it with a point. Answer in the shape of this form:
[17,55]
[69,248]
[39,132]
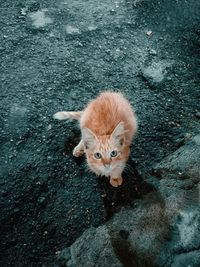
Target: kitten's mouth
[107,170]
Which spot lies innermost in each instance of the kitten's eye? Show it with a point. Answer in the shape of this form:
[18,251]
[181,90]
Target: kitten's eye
[97,155]
[113,153]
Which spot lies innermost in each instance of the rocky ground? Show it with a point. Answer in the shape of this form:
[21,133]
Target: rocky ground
[161,229]
[57,55]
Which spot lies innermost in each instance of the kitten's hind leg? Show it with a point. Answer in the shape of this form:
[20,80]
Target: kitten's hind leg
[78,150]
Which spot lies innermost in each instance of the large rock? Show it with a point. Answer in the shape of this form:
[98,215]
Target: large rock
[179,176]
[162,229]
[188,259]
[93,248]
[185,162]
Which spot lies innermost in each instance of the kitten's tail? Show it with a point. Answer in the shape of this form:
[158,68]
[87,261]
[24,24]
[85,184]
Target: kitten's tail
[64,115]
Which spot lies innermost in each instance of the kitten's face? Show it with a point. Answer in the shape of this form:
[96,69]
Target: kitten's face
[105,154]
[105,157]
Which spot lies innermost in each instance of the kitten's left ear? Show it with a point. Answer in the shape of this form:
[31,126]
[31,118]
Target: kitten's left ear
[89,138]
[118,134]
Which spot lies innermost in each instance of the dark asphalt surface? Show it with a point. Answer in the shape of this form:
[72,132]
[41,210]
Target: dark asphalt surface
[58,55]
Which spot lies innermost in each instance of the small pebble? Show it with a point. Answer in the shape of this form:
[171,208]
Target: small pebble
[149,33]
[41,200]
[24,11]
[152,52]
[19,142]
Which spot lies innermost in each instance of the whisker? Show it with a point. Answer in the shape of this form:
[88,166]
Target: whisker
[128,168]
[85,165]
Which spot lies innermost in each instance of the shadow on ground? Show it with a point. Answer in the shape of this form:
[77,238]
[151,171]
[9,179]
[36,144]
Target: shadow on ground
[133,187]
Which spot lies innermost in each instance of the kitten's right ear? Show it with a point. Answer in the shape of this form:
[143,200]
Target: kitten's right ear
[118,134]
[89,138]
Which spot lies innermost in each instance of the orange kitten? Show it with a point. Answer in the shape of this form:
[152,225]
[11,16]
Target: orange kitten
[108,125]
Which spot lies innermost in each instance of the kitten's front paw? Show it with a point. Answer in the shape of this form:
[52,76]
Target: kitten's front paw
[115,182]
[77,152]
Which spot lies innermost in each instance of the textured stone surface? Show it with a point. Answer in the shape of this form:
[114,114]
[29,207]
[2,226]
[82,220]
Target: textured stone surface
[93,248]
[184,162]
[190,259]
[163,229]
